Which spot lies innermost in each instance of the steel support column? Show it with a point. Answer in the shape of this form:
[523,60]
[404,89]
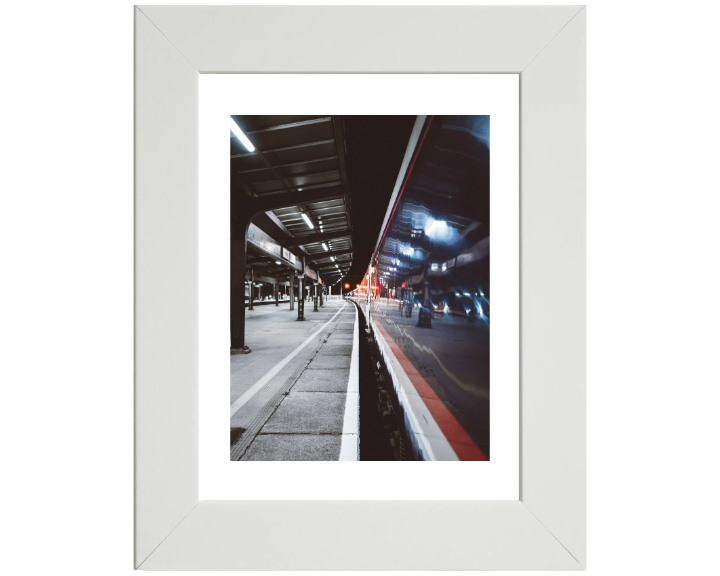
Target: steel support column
[301,296]
[238,266]
[301,299]
[292,291]
[252,288]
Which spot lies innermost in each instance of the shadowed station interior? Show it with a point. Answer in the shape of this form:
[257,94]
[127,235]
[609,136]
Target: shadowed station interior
[323,367]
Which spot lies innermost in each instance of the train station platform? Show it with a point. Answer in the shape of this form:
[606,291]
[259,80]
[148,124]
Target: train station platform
[296,395]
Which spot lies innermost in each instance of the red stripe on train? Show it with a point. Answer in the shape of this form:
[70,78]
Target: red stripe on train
[455,434]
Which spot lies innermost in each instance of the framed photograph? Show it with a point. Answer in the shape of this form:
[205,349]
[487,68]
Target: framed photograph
[376,420]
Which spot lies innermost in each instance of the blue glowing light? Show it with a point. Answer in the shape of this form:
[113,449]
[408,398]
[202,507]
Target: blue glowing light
[439,231]
[436,229]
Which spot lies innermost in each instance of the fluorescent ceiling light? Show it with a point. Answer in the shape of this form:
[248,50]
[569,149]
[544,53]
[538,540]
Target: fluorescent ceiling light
[277,261]
[332,258]
[325,246]
[307,220]
[241,135]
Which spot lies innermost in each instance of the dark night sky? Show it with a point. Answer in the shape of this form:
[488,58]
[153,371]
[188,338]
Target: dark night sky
[375,149]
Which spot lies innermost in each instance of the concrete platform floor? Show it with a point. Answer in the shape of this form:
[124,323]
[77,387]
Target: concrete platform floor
[289,396]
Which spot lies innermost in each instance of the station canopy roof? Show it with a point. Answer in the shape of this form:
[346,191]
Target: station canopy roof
[294,155]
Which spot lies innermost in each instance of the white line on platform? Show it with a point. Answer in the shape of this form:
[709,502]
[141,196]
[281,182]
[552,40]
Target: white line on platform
[255,388]
[350,444]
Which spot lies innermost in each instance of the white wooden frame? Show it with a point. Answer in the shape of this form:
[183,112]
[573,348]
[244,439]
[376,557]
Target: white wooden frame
[546,528]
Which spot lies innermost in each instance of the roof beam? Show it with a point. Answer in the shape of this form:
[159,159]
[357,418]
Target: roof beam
[340,147]
[333,262]
[267,279]
[312,238]
[277,201]
[294,147]
[324,159]
[326,269]
[331,265]
[331,271]
[316,257]
[303,175]
[340,263]
[292,125]
[278,222]
[272,169]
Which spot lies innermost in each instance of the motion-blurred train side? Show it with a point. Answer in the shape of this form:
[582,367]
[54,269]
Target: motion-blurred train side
[426,294]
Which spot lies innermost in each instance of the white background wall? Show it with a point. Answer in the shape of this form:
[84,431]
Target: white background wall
[66,287]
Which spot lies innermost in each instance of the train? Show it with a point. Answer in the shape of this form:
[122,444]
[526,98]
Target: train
[425,298]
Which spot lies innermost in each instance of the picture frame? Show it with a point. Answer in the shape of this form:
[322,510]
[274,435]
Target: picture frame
[545,528]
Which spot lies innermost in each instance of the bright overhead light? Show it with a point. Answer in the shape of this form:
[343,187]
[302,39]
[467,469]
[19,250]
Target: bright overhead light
[241,135]
[299,189]
[307,220]
[325,246]
[277,262]
[332,258]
